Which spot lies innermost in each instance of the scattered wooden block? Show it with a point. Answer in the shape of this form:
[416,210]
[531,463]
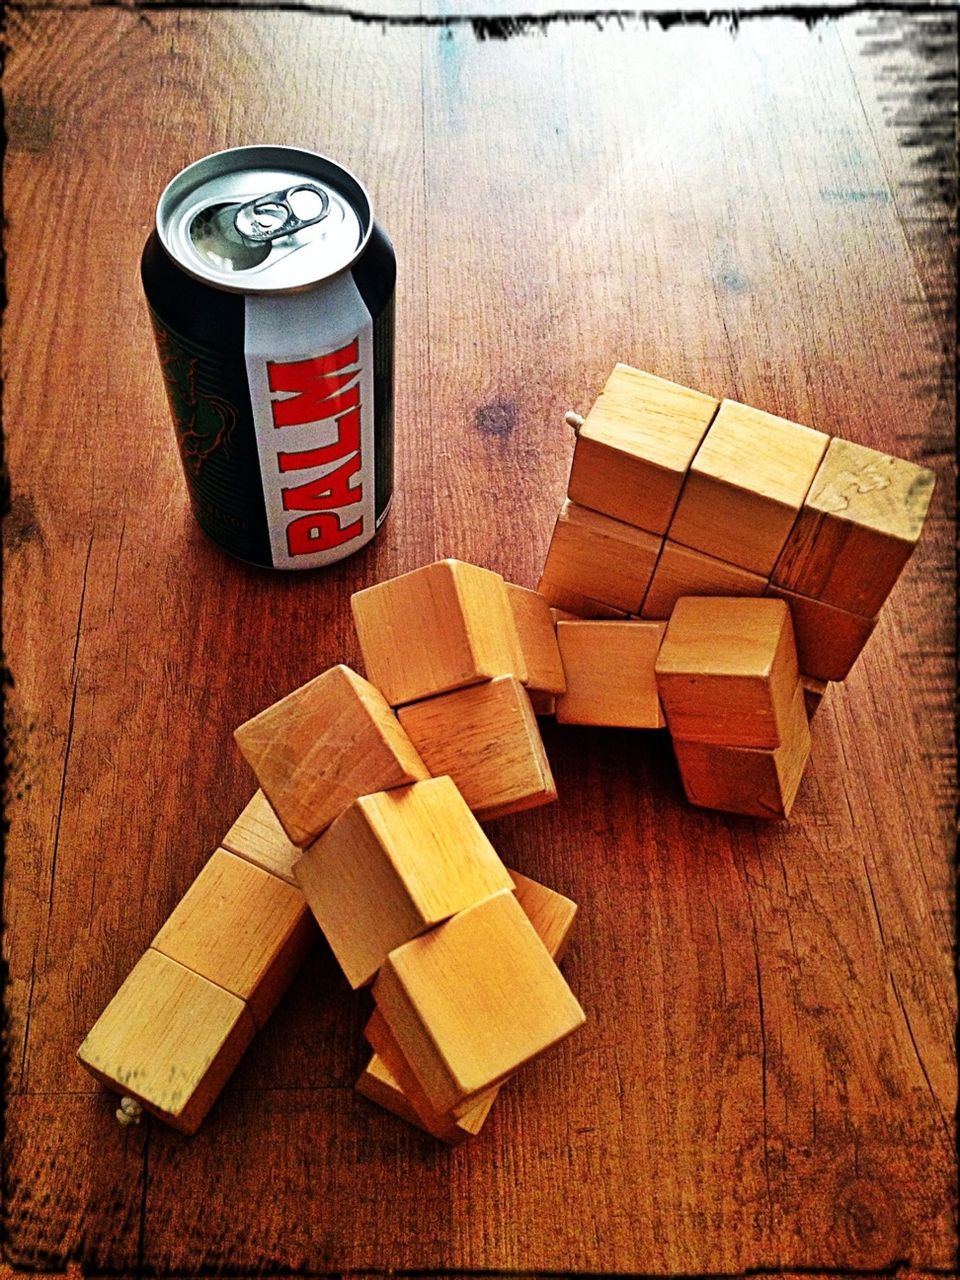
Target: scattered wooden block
[635,446]
[258,836]
[170,1039]
[538,640]
[242,928]
[813,694]
[857,528]
[610,674]
[727,671]
[829,640]
[473,1000]
[574,605]
[746,485]
[599,558]
[681,571]
[551,913]
[438,628]
[378,1083]
[485,738]
[759,783]
[323,745]
[391,866]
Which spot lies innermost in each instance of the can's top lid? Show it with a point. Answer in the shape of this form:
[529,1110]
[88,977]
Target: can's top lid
[264,219]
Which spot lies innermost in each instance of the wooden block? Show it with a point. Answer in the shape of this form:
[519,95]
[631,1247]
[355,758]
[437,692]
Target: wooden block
[170,1039]
[552,915]
[484,737]
[258,836]
[564,615]
[681,571]
[635,446]
[857,528]
[473,1000]
[727,671]
[760,783]
[610,674]
[829,640]
[813,694]
[543,704]
[538,640]
[323,745]
[600,558]
[573,605]
[391,866]
[746,485]
[438,628]
[242,928]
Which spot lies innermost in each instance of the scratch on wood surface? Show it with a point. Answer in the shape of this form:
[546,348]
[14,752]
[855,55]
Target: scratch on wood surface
[919,1056]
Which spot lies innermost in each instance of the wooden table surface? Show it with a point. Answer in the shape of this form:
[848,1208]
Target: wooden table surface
[767,1076]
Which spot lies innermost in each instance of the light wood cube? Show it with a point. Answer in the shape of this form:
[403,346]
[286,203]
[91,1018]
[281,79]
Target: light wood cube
[391,866]
[635,446]
[599,558]
[681,571]
[473,1000]
[829,640]
[759,783]
[727,671]
[538,640]
[323,745]
[746,485]
[552,914]
[258,836]
[242,928]
[857,528]
[438,628]
[610,674]
[170,1039]
[813,694]
[574,605]
[485,738]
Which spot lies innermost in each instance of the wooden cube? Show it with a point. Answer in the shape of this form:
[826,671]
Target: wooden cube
[610,674]
[857,528]
[681,571]
[574,605]
[484,737]
[600,558]
[323,745]
[391,866]
[170,1039]
[635,446]
[438,628]
[829,640]
[538,640]
[473,1000]
[813,694]
[552,916]
[727,671]
[258,836]
[543,704]
[746,485]
[242,928]
[756,782]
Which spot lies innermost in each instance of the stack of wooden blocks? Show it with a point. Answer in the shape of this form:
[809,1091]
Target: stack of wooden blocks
[367,820]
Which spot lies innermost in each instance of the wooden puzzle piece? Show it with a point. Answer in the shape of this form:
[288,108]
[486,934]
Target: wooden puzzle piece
[829,640]
[485,738]
[392,865]
[727,671]
[242,928]
[170,1039]
[610,674]
[635,446]
[746,485]
[438,628]
[563,600]
[538,640]
[756,782]
[599,558]
[472,1000]
[681,571]
[857,528]
[323,745]
[258,836]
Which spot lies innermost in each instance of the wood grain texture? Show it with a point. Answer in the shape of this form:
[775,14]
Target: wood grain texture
[737,214]
[829,640]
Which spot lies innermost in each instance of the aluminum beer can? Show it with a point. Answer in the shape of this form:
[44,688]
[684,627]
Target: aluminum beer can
[270,289]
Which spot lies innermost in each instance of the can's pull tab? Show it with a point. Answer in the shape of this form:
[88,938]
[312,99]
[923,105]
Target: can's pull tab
[271,216]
